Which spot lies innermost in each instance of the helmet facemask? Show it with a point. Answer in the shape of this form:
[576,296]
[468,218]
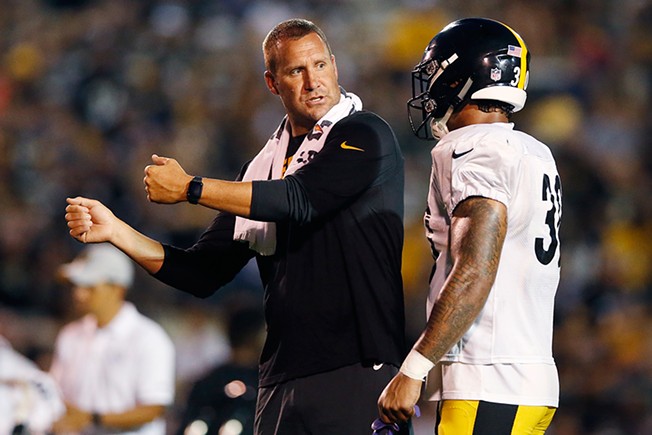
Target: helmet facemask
[435,96]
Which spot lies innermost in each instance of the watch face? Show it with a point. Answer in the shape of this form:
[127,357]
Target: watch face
[194,190]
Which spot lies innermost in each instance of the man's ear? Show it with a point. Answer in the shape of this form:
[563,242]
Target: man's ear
[334,65]
[271,83]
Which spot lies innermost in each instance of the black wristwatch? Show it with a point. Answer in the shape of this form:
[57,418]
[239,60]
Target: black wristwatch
[194,190]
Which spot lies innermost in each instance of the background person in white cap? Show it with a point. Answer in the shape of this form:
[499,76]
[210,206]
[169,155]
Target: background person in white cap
[115,366]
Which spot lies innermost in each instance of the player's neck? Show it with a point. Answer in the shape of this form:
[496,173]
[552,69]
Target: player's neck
[470,114]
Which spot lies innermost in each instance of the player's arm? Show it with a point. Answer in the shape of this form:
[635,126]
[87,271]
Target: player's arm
[133,418]
[166,182]
[76,420]
[478,229]
[90,221]
[333,178]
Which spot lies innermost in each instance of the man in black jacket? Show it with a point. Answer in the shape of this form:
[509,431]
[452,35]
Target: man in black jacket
[321,209]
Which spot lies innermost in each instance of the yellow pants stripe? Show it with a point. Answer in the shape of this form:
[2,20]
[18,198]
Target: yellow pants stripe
[473,417]
[532,420]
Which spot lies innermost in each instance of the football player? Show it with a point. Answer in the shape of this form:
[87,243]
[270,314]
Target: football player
[492,220]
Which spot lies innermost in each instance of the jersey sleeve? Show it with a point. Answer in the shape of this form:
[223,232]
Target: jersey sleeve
[213,261]
[487,169]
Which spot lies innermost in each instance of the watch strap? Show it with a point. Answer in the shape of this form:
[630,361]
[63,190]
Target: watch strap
[195,188]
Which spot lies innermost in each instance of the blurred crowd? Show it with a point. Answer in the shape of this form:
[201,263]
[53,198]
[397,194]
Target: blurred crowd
[90,89]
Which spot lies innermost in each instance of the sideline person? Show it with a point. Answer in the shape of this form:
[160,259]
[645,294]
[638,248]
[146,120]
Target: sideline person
[226,396]
[321,209]
[115,366]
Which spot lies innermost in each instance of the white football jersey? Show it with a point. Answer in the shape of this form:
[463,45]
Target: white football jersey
[515,326]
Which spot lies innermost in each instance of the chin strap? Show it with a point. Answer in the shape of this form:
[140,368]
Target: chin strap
[438,127]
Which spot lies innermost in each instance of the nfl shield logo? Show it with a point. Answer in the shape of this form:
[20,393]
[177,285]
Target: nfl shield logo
[496,74]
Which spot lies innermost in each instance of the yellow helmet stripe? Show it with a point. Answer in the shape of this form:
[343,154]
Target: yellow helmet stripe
[523,75]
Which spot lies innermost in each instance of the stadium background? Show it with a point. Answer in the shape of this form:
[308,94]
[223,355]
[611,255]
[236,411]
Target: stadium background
[89,89]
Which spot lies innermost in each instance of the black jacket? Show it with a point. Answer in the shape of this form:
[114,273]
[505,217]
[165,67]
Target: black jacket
[333,290]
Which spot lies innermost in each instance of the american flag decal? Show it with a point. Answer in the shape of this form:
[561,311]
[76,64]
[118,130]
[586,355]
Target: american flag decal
[514,51]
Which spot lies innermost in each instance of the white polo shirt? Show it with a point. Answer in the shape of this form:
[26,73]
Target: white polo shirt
[112,369]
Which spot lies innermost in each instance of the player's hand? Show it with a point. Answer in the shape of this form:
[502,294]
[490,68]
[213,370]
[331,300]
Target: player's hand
[73,421]
[165,181]
[89,220]
[397,401]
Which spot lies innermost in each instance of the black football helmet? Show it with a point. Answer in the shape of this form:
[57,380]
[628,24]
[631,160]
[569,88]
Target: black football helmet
[470,59]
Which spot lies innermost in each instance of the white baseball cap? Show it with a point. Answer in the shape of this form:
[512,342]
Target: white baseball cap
[97,264]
